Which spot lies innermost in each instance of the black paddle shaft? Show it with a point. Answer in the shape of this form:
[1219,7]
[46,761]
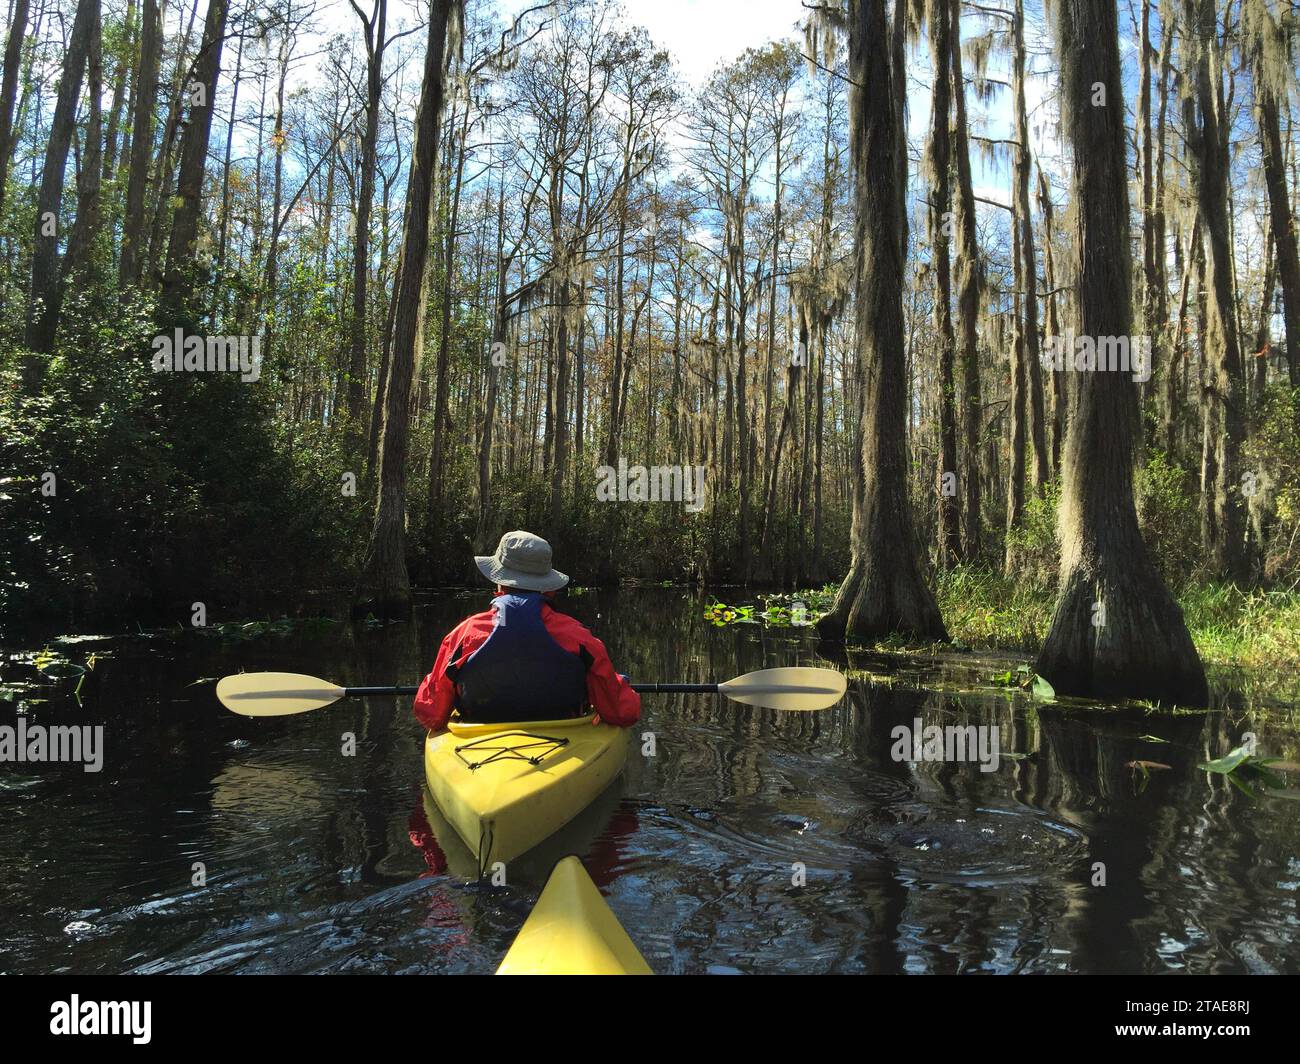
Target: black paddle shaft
[643,688]
[676,688]
[367,692]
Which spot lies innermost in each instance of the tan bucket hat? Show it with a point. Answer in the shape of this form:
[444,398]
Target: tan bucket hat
[522,560]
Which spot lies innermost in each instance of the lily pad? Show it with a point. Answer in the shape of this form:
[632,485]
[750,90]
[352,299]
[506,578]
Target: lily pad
[1246,772]
[1043,691]
[1228,763]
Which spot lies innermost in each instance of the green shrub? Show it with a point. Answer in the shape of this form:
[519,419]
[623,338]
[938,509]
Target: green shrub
[1033,545]
[1270,454]
[985,609]
[1169,517]
[169,488]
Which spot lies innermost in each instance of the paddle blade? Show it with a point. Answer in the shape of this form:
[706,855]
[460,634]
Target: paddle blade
[802,690]
[275,694]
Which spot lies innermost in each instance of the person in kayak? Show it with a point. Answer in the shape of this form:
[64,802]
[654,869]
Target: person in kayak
[522,659]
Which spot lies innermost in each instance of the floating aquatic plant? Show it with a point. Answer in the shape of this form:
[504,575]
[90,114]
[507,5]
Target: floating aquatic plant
[244,631]
[1027,680]
[800,610]
[54,666]
[1248,773]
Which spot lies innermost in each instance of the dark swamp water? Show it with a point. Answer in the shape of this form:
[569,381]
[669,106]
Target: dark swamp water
[319,862]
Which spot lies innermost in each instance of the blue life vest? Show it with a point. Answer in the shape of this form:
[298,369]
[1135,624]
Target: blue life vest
[519,672]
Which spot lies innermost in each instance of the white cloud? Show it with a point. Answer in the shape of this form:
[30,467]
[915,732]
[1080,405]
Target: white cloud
[700,34]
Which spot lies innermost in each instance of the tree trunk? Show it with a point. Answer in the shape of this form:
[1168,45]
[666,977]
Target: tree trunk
[1225,413]
[1056,378]
[792,378]
[223,237]
[441,403]
[500,324]
[1145,164]
[122,77]
[381,385]
[742,379]
[559,413]
[1015,411]
[86,228]
[375,33]
[614,417]
[1177,344]
[1284,229]
[182,266]
[968,293]
[1116,631]
[133,228]
[164,165]
[1265,313]
[279,139]
[1162,342]
[384,587]
[1028,323]
[43,310]
[885,590]
[947,477]
[9,90]
[817,566]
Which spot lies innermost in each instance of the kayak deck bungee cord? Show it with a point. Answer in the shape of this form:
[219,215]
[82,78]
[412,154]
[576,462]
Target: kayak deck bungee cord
[506,787]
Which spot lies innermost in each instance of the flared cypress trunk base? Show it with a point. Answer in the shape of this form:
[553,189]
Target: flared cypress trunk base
[878,600]
[391,602]
[384,587]
[1121,635]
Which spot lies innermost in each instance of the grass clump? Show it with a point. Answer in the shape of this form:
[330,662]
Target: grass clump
[988,610]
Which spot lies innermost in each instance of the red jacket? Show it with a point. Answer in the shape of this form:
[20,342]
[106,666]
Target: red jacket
[608,693]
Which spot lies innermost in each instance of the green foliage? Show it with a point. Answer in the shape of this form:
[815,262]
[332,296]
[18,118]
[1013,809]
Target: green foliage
[169,488]
[1027,680]
[1254,628]
[1034,544]
[986,609]
[802,609]
[1271,453]
[1169,518]
[719,614]
[1248,773]
[1166,498]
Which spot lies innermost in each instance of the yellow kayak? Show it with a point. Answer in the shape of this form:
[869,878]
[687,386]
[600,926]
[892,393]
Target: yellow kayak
[506,787]
[571,931]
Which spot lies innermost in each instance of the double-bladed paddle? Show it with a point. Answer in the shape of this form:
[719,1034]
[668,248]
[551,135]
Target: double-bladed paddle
[279,694]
